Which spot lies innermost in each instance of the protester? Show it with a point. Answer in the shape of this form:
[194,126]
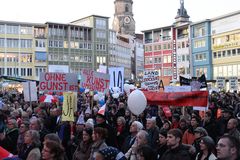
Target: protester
[228,148]
[142,138]
[207,149]
[145,152]
[52,151]
[232,128]
[31,148]
[153,131]
[84,148]
[188,136]
[199,132]
[98,136]
[176,150]
[162,144]
[121,131]
[130,139]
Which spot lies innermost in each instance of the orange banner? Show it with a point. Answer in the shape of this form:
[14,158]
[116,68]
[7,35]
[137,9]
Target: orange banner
[194,98]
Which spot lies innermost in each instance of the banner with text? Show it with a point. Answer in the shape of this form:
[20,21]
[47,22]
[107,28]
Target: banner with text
[59,82]
[202,80]
[95,81]
[116,77]
[194,98]
[69,106]
[151,80]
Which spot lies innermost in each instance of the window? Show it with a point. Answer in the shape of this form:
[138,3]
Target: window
[219,54]
[183,58]
[12,29]
[23,71]
[2,29]
[101,23]
[214,54]
[199,30]
[29,72]
[26,43]
[234,52]
[2,42]
[26,30]
[238,51]
[223,53]
[228,53]
[26,58]
[167,71]
[40,43]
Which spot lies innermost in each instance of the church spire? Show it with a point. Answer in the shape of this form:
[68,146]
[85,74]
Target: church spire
[182,12]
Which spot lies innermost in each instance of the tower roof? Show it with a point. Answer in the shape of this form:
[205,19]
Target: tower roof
[182,12]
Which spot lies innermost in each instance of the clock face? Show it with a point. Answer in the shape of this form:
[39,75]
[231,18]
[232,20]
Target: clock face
[127,20]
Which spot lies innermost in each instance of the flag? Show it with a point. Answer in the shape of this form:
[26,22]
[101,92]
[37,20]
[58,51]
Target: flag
[102,110]
[4,153]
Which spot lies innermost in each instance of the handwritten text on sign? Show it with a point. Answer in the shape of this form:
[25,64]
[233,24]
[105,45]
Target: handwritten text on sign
[151,80]
[95,81]
[58,82]
[69,106]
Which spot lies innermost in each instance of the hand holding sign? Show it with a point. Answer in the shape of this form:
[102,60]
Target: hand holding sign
[137,102]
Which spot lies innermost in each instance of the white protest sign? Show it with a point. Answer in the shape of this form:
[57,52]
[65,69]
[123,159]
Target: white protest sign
[151,80]
[177,89]
[116,77]
[233,83]
[221,82]
[30,91]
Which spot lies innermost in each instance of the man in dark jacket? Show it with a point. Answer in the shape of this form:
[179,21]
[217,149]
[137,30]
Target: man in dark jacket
[102,122]
[176,150]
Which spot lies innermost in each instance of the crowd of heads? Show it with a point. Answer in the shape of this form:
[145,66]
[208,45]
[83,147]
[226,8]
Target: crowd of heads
[37,129]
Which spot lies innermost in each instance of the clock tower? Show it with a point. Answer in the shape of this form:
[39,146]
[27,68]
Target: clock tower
[123,21]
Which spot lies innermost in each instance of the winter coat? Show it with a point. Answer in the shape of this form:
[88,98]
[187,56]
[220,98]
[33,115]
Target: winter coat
[96,147]
[178,153]
[83,151]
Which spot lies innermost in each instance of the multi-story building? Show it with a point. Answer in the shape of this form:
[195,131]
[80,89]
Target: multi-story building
[158,51]
[21,45]
[99,39]
[201,49]
[225,38]
[167,48]
[120,53]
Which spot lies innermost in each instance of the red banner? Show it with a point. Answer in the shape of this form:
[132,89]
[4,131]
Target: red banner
[194,98]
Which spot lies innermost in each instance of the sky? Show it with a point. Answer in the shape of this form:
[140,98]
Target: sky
[148,14]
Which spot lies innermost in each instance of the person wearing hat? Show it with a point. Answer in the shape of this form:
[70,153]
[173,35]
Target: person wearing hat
[162,143]
[223,120]
[101,121]
[110,153]
[207,148]
[199,132]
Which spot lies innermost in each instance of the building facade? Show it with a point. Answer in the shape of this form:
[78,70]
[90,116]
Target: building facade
[120,53]
[201,49]
[225,38]
[22,49]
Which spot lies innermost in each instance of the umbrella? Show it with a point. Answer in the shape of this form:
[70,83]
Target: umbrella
[48,99]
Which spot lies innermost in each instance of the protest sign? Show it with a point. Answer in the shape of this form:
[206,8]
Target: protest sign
[94,81]
[221,82]
[151,80]
[69,106]
[59,82]
[186,81]
[233,83]
[116,77]
[30,91]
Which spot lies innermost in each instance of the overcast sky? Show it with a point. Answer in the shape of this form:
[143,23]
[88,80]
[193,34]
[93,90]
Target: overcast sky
[148,14]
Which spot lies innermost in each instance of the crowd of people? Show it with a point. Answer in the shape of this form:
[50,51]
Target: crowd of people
[36,131]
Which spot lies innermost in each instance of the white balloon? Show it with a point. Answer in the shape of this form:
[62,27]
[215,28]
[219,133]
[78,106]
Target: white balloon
[137,102]
[86,90]
[115,95]
[126,87]
[96,97]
